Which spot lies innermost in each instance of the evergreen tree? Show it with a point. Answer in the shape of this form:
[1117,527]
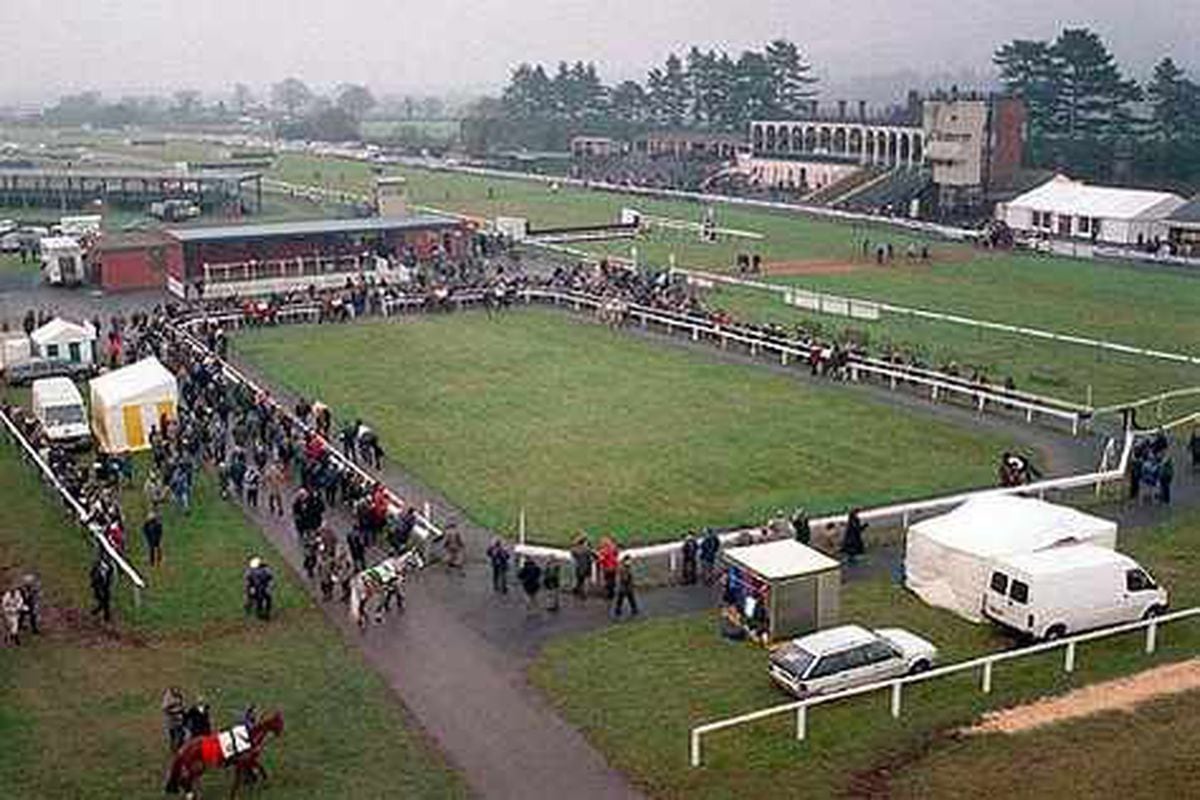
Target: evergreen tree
[1091,97]
[628,102]
[754,90]
[1174,100]
[676,95]
[1028,70]
[791,78]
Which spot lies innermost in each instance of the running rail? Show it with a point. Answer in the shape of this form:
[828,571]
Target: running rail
[76,507]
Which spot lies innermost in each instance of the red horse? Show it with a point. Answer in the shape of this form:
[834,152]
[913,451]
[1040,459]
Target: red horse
[222,750]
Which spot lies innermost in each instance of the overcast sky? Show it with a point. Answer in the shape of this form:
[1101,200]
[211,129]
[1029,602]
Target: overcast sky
[53,46]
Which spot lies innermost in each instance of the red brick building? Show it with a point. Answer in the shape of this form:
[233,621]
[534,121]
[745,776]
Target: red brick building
[129,261]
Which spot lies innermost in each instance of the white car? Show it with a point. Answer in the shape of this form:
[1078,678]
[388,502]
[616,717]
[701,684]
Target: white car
[848,656]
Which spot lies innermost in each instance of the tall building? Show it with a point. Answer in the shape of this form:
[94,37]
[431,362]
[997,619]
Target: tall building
[974,146]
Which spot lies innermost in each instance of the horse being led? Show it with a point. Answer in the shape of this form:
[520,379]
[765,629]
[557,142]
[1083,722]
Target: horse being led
[380,585]
[240,747]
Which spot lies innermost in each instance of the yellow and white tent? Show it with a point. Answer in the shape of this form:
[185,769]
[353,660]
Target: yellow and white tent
[128,402]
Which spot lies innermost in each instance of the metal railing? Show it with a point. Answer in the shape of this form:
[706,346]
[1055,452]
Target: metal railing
[986,665]
[81,513]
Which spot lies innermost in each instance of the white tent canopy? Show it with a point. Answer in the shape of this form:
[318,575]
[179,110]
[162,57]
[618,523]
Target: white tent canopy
[127,403]
[1065,207]
[947,558]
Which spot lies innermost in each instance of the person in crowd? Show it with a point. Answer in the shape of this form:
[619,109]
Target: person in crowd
[608,559]
[498,556]
[197,719]
[156,493]
[1194,449]
[31,590]
[552,583]
[258,579]
[530,578]
[625,593]
[852,541]
[710,546]
[152,532]
[101,579]
[1135,475]
[251,480]
[275,480]
[12,605]
[455,549]
[358,549]
[583,559]
[691,551]
[801,529]
[172,709]
[1166,476]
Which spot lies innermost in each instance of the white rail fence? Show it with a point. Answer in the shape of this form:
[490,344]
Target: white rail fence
[426,529]
[81,513]
[985,665]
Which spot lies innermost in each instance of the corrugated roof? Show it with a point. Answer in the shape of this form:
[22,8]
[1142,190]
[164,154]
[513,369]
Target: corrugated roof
[1061,195]
[1187,214]
[314,227]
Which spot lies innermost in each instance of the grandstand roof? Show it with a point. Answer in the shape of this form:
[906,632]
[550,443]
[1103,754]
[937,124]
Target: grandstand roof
[1188,214]
[314,227]
[1061,195]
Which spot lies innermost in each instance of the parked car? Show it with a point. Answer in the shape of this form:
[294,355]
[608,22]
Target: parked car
[1052,593]
[35,368]
[847,656]
[57,404]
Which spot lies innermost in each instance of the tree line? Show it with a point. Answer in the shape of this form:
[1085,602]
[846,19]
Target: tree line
[1087,117]
[709,90]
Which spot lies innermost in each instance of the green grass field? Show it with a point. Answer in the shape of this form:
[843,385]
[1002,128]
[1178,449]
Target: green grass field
[586,428]
[80,711]
[637,689]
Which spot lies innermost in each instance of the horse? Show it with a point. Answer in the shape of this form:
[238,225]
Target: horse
[222,750]
[384,581]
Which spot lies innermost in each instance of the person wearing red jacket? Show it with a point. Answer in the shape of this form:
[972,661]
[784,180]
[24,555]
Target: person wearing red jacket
[608,559]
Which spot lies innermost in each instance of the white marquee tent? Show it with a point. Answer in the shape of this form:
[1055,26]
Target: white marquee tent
[1062,207]
[947,558]
[128,402]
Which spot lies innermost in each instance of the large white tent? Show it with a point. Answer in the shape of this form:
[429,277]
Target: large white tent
[947,557]
[1062,207]
[127,403]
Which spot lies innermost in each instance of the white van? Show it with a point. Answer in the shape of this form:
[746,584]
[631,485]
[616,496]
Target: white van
[1063,590]
[59,407]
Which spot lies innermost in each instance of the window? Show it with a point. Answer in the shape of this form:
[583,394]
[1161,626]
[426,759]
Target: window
[877,652]
[1085,225]
[830,665]
[51,351]
[999,582]
[1019,592]
[1138,581]
[73,351]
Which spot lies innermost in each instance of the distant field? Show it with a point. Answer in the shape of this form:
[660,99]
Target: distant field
[587,429]
[81,713]
[439,129]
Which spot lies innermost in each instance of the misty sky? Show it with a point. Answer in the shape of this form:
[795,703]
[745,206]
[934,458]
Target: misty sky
[50,47]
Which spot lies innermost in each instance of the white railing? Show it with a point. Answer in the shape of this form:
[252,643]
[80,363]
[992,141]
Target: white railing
[76,507]
[985,664]
[426,529]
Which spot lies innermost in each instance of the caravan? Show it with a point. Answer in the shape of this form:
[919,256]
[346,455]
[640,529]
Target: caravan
[62,261]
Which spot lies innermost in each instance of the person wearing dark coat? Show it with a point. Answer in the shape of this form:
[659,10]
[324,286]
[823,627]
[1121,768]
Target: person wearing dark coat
[691,549]
[1166,475]
[152,530]
[1194,449]
[710,545]
[498,556]
[800,527]
[852,542]
[358,549]
[1135,476]
[552,583]
[101,581]
[530,576]
[583,559]
[625,589]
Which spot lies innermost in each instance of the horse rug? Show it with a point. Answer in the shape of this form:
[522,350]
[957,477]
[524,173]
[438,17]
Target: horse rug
[221,748]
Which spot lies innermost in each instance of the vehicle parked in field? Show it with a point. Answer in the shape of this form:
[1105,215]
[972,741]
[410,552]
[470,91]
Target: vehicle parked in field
[1063,590]
[848,656]
[57,404]
[34,368]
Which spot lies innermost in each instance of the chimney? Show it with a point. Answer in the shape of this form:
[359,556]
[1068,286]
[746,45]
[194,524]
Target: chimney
[862,110]
[841,109]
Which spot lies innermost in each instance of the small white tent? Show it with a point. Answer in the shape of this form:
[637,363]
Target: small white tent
[947,558]
[128,402]
[60,340]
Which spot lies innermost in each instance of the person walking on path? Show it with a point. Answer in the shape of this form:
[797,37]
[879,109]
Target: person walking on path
[101,580]
[1166,475]
[31,590]
[12,604]
[608,558]
[852,541]
[498,555]
[274,479]
[583,559]
[710,545]
[172,708]
[552,583]
[358,549]
[455,549]
[1194,449]
[152,531]
[691,549]
[625,588]
[530,576]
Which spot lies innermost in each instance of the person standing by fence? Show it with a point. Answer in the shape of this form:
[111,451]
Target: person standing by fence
[608,559]
[691,549]
[552,583]
[530,576]
[625,588]
[583,559]
[852,541]
[101,579]
[710,545]
[498,555]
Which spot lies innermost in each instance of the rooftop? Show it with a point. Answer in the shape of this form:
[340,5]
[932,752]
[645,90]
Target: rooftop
[314,227]
[1063,195]
[1188,214]
[133,174]
[785,558]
